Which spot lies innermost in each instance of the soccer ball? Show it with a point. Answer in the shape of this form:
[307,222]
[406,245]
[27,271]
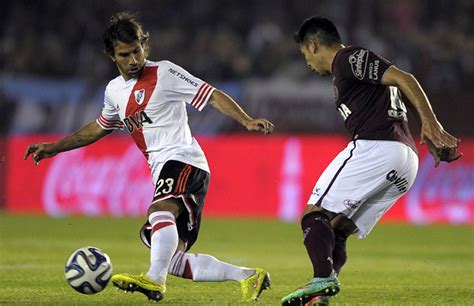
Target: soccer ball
[88,270]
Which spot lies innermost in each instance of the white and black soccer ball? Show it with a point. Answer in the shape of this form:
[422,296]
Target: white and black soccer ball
[88,270]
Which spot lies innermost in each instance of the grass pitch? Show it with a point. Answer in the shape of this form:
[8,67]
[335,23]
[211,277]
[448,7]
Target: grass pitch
[397,264]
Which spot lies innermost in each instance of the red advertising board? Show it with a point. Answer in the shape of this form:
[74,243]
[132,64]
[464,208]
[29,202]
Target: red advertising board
[252,176]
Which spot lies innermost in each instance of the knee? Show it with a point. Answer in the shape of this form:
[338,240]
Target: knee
[172,205]
[313,216]
[315,224]
[154,207]
[316,211]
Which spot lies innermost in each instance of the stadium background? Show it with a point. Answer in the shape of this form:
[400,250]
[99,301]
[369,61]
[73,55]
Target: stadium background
[52,77]
[53,74]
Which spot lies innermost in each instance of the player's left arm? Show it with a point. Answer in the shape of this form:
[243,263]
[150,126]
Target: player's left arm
[432,132]
[230,108]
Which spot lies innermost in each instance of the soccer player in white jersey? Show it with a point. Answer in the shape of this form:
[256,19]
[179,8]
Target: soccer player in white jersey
[149,100]
[379,164]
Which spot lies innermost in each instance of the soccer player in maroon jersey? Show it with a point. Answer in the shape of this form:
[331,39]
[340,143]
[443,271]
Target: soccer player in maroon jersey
[378,165]
[148,99]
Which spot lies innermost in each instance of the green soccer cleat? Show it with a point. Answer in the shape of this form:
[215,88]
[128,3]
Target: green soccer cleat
[326,286]
[141,283]
[253,286]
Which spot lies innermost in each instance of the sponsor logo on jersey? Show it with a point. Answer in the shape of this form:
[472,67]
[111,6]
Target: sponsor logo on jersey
[358,61]
[400,182]
[344,111]
[397,109]
[182,77]
[136,121]
[139,96]
[374,70]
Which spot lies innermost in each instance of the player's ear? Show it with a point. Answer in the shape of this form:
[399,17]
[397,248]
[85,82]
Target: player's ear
[312,46]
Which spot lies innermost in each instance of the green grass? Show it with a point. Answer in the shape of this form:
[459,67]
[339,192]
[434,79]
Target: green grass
[397,264]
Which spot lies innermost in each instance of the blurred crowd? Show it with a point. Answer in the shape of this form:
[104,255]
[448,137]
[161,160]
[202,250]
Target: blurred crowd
[225,40]
[229,40]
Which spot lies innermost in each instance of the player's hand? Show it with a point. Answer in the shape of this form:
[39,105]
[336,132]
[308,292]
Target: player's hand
[260,125]
[442,145]
[39,151]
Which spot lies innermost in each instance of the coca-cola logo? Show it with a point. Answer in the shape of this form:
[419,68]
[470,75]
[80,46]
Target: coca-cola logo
[443,194]
[80,184]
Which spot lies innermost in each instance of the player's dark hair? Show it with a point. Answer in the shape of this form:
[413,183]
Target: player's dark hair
[125,27]
[321,29]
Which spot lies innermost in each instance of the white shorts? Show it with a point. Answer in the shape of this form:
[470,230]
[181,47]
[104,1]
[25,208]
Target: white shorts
[365,180]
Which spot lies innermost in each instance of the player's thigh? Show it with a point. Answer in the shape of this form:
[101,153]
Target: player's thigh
[327,179]
[368,215]
[169,187]
[346,181]
[360,171]
[171,180]
[192,194]
[180,188]
[373,209]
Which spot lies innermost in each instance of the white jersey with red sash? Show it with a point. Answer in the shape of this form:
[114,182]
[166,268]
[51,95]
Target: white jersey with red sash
[152,108]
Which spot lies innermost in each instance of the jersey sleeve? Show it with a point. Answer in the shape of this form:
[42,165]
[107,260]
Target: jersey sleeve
[109,118]
[179,85]
[362,65]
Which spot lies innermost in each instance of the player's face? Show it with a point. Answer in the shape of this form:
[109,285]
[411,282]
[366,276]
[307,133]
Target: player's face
[312,57]
[130,58]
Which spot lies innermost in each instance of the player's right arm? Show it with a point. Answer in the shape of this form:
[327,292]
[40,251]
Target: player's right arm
[432,131]
[86,135]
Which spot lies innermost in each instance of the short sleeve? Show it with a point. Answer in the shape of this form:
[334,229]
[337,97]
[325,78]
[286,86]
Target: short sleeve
[361,65]
[109,118]
[179,85]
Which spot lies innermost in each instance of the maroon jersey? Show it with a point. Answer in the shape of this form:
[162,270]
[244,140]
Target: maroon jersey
[370,110]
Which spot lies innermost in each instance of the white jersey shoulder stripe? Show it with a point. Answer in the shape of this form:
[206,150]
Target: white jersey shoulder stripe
[108,124]
[105,120]
[202,96]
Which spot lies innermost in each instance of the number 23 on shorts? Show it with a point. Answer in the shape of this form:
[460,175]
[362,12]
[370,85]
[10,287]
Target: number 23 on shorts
[164,186]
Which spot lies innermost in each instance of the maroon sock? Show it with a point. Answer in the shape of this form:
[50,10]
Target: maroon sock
[319,241]
[339,255]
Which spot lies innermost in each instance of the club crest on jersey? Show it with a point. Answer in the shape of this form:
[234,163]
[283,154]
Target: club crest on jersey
[139,96]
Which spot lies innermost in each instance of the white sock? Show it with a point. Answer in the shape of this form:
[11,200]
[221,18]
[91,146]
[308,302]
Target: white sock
[164,242]
[206,268]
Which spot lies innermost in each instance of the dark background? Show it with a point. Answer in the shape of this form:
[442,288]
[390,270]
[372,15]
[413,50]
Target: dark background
[53,71]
